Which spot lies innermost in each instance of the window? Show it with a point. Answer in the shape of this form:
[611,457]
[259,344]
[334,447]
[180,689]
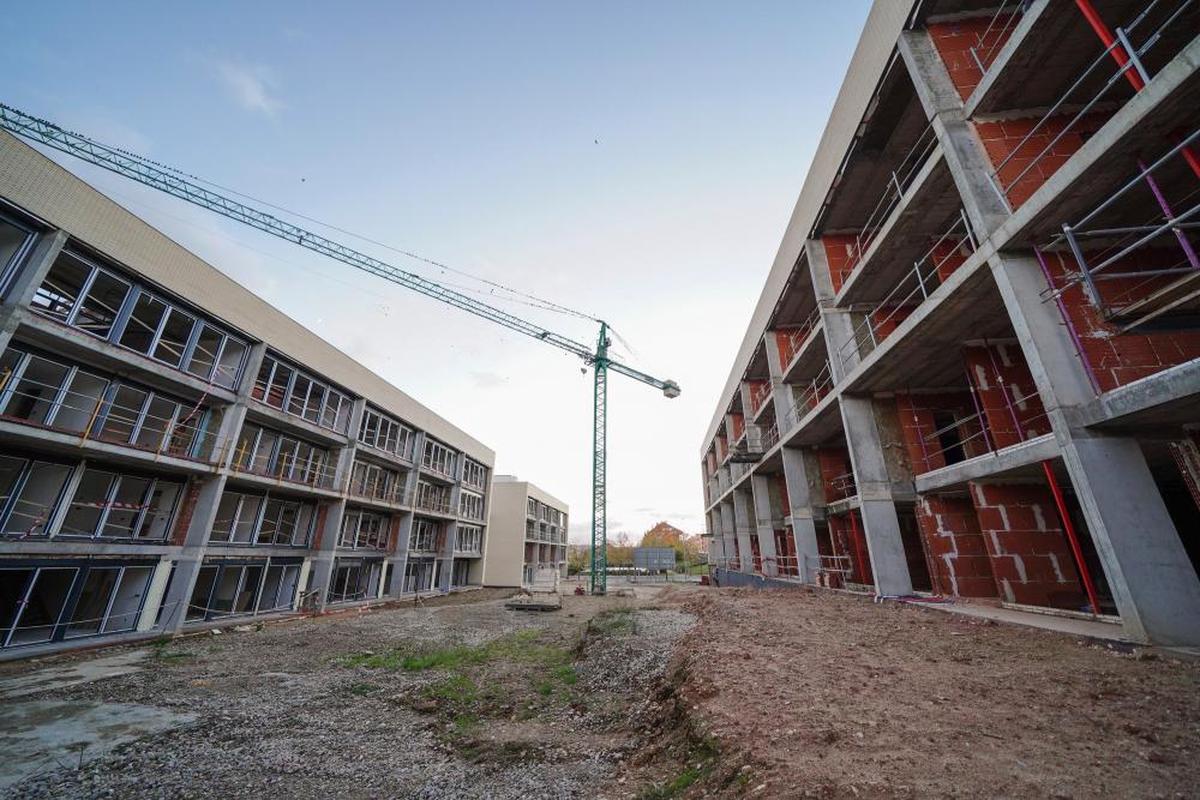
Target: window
[29,494]
[110,505]
[364,529]
[378,483]
[262,520]
[424,535]
[468,539]
[439,458]
[432,497]
[461,572]
[48,602]
[282,386]
[474,474]
[470,506]
[258,586]
[355,579]
[111,307]
[531,507]
[385,433]
[264,452]
[419,574]
[15,241]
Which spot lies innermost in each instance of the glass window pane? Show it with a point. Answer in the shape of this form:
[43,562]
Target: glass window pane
[229,366]
[304,521]
[60,291]
[299,395]
[13,583]
[243,455]
[34,395]
[312,409]
[198,605]
[288,516]
[270,521]
[263,381]
[155,422]
[78,406]
[174,338]
[42,612]
[286,460]
[90,609]
[222,528]
[226,590]
[30,511]
[127,602]
[247,519]
[127,506]
[88,504]
[160,508]
[248,596]
[264,452]
[204,354]
[270,590]
[277,390]
[103,302]
[143,323]
[12,241]
[122,414]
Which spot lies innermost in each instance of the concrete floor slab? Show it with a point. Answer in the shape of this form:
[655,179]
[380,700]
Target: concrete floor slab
[57,676]
[48,735]
[1070,625]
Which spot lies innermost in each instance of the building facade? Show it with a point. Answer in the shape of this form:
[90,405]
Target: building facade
[527,529]
[974,369]
[175,451]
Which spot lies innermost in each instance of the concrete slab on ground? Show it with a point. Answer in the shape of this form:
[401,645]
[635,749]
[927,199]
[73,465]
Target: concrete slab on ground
[48,735]
[57,676]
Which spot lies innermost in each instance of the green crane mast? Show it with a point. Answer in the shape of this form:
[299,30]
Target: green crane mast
[176,184]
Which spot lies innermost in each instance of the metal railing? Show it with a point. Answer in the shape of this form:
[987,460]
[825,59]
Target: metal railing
[901,179]
[999,28]
[807,396]
[911,291]
[1122,45]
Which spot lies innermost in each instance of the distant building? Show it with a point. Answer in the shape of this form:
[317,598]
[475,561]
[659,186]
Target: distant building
[527,530]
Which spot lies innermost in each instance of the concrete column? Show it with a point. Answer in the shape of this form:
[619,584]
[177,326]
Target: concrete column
[301,582]
[838,323]
[26,282]
[964,155]
[764,515]
[399,558]
[204,511]
[796,475]
[1149,572]
[878,510]
[154,595]
[743,525]
[728,530]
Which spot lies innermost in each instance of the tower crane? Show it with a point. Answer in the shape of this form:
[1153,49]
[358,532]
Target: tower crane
[176,184]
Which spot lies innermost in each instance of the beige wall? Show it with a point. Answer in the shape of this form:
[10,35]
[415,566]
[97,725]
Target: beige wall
[504,553]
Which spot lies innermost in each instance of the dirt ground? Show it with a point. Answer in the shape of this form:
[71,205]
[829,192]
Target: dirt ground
[823,695]
[676,692]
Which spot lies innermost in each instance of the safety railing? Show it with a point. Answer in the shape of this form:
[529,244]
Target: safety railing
[1000,26]
[832,571]
[759,392]
[1118,243]
[806,396]
[954,244]
[900,180]
[843,486]
[1076,100]
[396,494]
[286,468]
[434,503]
[796,336]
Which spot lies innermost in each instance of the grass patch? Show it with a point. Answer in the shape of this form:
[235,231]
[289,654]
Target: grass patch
[159,651]
[612,623]
[701,758]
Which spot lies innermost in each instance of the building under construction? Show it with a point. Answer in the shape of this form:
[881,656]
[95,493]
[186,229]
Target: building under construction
[974,370]
[528,531]
[175,452]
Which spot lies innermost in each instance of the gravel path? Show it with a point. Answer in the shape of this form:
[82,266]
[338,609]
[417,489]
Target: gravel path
[280,713]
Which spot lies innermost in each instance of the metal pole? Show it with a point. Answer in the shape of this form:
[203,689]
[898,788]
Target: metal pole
[599,467]
[1072,537]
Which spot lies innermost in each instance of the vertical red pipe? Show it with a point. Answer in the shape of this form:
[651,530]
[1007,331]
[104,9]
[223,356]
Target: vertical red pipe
[1072,537]
[1122,58]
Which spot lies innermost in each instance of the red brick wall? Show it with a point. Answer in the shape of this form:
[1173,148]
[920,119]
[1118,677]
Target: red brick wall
[843,256]
[788,340]
[915,413]
[1118,359]
[884,321]
[319,527]
[846,531]
[958,555]
[1031,557]
[759,390]
[948,256]
[954,41]
[187,509]
[739,425]
[785,552]
[1010,392]
[781,489]
[722,448]
[1005,137]
[833,463]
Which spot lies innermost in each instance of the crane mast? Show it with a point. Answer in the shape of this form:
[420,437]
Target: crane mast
[174,183]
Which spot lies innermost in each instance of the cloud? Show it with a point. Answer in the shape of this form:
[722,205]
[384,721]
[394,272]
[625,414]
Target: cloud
[251,85]
[487,380]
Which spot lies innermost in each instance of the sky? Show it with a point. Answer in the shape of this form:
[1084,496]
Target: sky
[637,161]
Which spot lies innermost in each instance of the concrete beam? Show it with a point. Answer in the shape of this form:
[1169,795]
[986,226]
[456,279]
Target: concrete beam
[25,283]
[1027,453]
